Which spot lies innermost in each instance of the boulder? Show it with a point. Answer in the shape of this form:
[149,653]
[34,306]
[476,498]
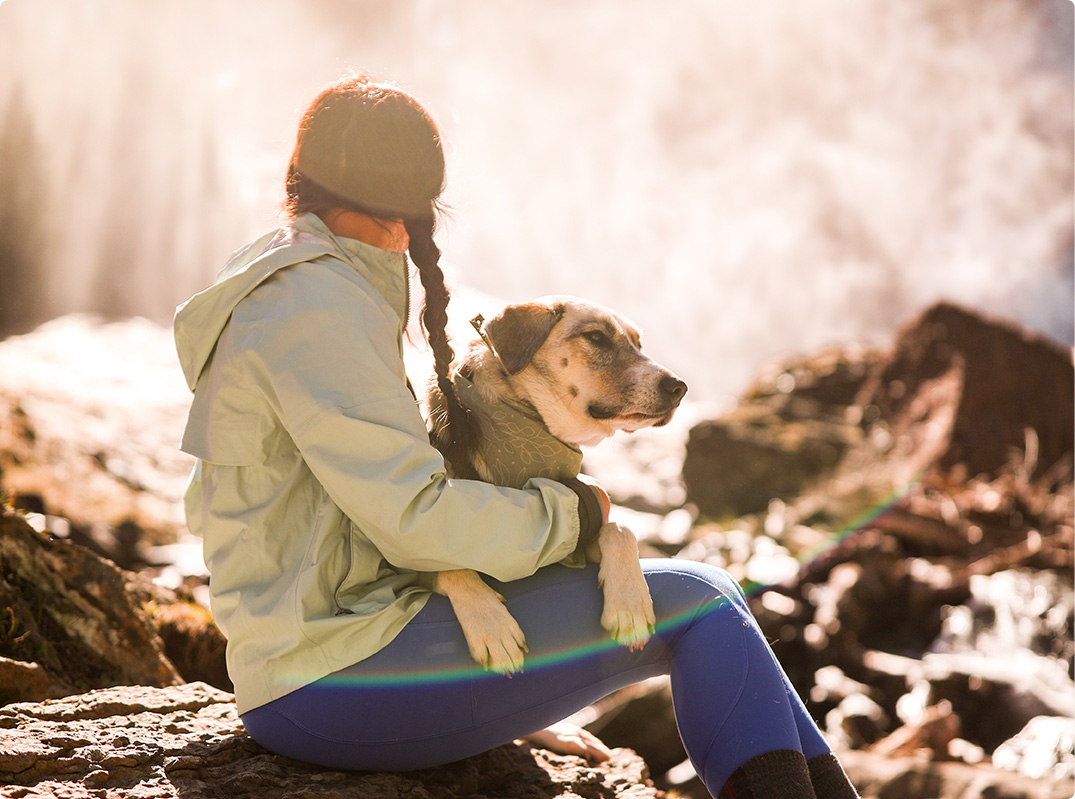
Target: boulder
[69,612]
[70,620]
[1044,748]
[957,390]
[882,776]
[91,414]
[734,467]
[187,741]
[1013,384]
[74,621]
[789,430]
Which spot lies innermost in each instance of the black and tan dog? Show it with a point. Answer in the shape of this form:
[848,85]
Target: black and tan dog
[548,377]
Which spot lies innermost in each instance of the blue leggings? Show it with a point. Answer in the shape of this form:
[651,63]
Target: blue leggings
[421,701]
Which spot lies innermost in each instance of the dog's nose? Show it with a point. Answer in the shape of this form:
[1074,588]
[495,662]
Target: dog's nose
[673,387]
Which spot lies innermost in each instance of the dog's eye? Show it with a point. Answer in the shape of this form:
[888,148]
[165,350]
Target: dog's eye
[597,338]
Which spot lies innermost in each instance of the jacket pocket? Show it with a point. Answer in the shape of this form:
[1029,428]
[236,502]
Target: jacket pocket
[369,584]
[235,443]
[340,596]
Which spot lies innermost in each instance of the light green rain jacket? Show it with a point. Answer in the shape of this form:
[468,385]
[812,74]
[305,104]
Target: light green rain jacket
[317,493]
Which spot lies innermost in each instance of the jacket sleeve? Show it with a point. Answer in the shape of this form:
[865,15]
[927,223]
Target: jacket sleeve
[330,369]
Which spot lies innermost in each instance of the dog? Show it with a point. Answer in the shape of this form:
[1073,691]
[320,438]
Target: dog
[545,378]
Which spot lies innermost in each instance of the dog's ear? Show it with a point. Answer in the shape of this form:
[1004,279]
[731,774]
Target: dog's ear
[518,332]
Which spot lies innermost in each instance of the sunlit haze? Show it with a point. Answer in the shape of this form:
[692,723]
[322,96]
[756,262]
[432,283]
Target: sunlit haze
[743,180]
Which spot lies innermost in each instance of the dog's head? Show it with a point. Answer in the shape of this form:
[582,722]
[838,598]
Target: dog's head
[581,366]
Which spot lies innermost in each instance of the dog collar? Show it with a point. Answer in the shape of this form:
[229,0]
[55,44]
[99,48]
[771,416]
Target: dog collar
[478,323]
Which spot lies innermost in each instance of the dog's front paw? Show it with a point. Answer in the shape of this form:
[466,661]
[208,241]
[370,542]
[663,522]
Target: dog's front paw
[494,638]
[628,617]
[628,613]
[503,651]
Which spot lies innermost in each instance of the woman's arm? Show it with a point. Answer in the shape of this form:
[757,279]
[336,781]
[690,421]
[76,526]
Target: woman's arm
[324,354]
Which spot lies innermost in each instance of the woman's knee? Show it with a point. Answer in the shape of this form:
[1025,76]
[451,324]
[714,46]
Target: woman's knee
[708,579]
[684,588]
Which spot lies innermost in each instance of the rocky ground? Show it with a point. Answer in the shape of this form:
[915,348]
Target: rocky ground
[187,741]
[902,518]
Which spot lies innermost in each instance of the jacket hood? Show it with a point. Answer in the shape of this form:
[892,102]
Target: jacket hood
[200,320]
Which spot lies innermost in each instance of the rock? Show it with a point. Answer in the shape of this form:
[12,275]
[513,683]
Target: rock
[189,637]
[856,722]
[820,386]
[75,621]
[992,693]
[957,389]
[931,734]
[1010,381]
[736,466]
[69,611]
[788,431]
[642,714]
[91,414]
[880,776]
[21,681]
[188,741]
[877,599]
[1043,749]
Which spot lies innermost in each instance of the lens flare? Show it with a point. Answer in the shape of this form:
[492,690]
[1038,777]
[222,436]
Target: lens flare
[861,522]
[460,672]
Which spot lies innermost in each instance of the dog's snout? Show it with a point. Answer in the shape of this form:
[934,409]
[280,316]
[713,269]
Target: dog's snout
[673,387]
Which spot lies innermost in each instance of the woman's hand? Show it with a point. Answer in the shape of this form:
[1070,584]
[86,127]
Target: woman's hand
[567,739]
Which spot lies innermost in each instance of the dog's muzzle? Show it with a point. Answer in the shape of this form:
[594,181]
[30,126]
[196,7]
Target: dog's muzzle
[671,391]
[673,388]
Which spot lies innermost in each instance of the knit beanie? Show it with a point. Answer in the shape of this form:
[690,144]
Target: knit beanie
[373,145]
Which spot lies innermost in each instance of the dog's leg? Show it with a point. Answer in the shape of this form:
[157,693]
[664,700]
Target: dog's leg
[628,614]
[493,636]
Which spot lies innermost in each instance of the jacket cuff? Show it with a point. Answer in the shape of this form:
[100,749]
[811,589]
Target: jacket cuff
[591,512]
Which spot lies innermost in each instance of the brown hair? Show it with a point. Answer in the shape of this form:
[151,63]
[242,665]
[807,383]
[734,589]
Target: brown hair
[370,147]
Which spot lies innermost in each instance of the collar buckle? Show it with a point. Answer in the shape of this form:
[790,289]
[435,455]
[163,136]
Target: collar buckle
[478,323]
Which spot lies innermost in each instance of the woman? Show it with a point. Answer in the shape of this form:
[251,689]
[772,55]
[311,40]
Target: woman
[324,508]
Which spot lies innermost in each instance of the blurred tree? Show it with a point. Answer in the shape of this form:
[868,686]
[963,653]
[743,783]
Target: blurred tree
[23,191]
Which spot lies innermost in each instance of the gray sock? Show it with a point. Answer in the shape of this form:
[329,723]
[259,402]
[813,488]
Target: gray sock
[829,778]
[782,774]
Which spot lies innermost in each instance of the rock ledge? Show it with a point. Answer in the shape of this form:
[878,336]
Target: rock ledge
[188,741]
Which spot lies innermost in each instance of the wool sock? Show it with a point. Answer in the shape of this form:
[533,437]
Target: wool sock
[782,774]
[829,778]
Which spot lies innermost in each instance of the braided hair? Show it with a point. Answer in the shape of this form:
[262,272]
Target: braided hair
[453,427]
[371,147]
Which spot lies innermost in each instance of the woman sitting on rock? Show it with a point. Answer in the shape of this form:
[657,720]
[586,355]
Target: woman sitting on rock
[323,507]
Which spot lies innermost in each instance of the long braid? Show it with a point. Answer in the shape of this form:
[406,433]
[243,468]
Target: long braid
[371,148]
[434,317]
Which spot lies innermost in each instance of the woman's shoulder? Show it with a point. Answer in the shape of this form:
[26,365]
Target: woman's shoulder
[318,292]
